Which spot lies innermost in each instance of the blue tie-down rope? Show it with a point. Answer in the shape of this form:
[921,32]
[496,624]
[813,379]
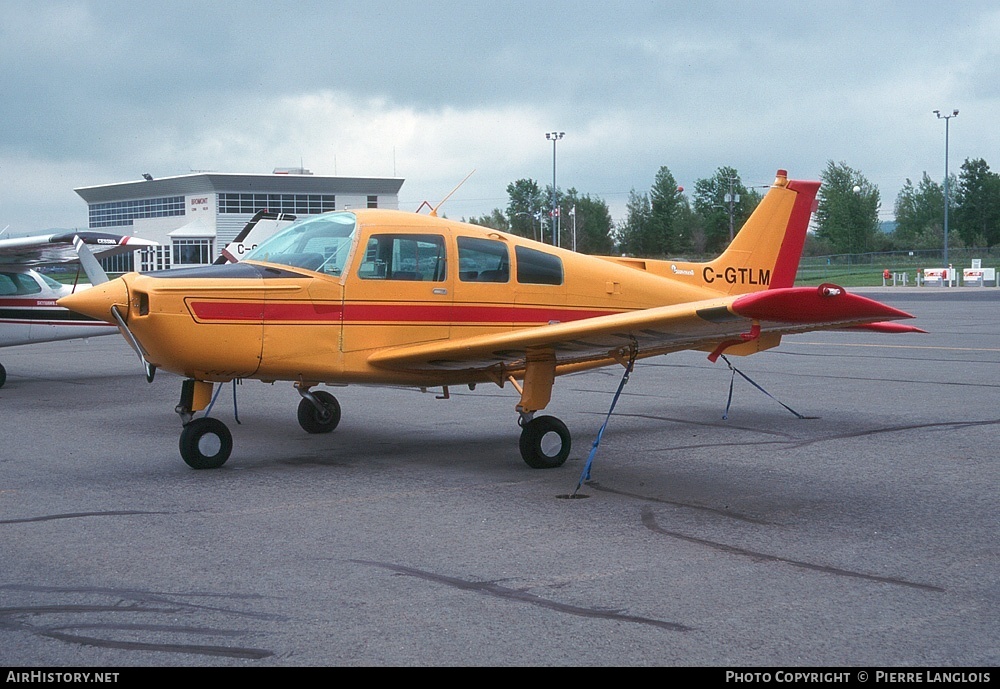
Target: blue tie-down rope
[746,378]
[585,474]
[215,396]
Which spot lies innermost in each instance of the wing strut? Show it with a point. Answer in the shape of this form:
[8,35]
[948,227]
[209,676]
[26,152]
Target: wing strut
[585,474]
[91,267]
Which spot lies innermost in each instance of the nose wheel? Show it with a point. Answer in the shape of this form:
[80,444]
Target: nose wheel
[206,443]
[545,442]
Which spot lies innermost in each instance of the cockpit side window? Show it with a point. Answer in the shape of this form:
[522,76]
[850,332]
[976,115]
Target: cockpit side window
[414,257]
[537,267]
[12,284]
[482,260]
[7,286]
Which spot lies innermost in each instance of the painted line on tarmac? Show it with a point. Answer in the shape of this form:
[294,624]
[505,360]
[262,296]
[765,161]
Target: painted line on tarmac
[889,346]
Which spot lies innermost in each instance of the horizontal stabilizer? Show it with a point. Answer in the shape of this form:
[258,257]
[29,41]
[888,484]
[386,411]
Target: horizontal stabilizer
[887,327]
[814,306]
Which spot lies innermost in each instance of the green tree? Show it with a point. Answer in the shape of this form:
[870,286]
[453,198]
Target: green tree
[977,201]
[525,204]
[593,224]
[495,220]
[714,198]
[666,204]
[919,215]
[634,234]
[847,215]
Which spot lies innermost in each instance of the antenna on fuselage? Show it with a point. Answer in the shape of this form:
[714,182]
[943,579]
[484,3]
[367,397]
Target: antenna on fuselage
[434,210]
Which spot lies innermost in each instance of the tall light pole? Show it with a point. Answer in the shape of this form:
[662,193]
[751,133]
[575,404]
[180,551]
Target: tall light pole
[946,119]
[554,137]
[572,211]
[731,198]
[533,216]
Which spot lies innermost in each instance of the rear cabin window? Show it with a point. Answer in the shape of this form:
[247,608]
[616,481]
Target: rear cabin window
[537,267]
[482,260]
[415,257]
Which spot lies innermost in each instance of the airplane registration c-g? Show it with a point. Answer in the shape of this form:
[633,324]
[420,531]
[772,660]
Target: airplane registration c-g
[396,298]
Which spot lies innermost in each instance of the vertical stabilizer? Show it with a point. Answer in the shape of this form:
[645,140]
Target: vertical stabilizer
[765,253]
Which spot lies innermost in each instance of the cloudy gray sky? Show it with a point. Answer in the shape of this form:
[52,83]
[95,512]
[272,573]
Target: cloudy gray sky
[99,91]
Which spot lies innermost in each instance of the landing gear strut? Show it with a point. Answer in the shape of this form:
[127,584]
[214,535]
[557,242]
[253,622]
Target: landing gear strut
[545,441]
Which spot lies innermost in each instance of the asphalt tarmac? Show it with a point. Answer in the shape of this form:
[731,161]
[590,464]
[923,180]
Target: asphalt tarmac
[865,535]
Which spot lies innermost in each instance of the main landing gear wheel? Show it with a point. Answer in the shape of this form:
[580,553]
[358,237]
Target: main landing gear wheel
[206,443]
[314,420]
[545,442]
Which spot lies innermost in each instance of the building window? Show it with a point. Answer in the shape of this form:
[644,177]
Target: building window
[155,258]
[122,263]
[297,204]
[122,213]
[373,201]
[192,251]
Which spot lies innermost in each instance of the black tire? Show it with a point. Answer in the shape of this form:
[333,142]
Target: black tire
[3,375]
[313,420]
[545,442]
[206,443]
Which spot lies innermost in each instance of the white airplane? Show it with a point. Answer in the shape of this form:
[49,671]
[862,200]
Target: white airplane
[28,310]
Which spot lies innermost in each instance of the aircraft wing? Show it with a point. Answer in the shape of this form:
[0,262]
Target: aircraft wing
[745,323]
[58,247]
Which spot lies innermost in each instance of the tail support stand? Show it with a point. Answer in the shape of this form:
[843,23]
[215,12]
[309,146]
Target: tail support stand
[633,352]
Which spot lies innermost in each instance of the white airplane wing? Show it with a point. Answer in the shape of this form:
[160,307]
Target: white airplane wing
[59,247]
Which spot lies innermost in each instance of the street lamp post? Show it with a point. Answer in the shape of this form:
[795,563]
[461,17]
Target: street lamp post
[732,198]
[554,137]
[533,216]
[572,211]
[946,119]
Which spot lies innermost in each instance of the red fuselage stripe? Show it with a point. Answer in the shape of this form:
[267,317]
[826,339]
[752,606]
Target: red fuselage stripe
[382,313]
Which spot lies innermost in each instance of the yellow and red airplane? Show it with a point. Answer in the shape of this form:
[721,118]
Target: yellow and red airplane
[396,298]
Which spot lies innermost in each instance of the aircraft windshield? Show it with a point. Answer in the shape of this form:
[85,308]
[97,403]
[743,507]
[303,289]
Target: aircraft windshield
[319,243]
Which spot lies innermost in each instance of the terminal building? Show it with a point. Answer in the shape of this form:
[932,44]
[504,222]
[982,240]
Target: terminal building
[195,216]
